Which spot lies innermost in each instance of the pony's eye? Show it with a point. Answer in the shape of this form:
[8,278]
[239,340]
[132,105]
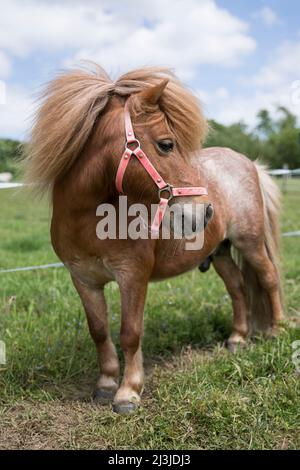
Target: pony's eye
[165,146]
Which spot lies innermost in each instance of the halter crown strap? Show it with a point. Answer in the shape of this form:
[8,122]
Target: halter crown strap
[130,137]
[163,187]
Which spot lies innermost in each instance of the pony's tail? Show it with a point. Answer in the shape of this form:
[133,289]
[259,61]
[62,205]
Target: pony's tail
[257,299]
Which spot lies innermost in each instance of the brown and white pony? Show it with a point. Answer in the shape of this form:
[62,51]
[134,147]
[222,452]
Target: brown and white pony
[76,146]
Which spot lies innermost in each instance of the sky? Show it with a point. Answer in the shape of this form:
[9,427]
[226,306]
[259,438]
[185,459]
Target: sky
[238,56]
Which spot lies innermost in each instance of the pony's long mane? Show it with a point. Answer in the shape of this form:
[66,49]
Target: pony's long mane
[72,103]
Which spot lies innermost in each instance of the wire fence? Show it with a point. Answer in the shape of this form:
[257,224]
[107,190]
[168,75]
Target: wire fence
[61,265]
[31,268]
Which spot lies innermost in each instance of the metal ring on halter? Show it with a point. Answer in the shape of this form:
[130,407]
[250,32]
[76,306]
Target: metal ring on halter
[169,189]
[135,141]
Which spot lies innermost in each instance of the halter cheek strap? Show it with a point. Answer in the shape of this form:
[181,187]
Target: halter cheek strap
[161,184]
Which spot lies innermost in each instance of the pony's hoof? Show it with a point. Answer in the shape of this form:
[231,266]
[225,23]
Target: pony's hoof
[275,331]
[102,396]
[234,346]
[125,408]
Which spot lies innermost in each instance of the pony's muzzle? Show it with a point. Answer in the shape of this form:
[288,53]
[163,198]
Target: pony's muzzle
[191,218]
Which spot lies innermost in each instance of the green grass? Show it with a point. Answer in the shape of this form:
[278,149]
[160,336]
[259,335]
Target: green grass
[197,395]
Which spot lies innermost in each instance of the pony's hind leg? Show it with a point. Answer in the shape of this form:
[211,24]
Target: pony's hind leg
[234,283]
[257,238]
[94,304]
[269,312]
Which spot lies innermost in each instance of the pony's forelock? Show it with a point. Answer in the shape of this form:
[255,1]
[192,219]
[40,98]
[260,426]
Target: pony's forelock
[72,103]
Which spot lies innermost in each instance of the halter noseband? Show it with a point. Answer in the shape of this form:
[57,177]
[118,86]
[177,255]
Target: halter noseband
[155,176]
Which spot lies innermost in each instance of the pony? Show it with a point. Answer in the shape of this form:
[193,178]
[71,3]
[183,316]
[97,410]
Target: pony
[74,154]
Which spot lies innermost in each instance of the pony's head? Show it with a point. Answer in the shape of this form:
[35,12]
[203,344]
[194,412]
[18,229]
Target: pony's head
[79,130]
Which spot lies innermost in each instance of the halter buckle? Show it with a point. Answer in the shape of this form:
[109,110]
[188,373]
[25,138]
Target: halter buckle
[169,189]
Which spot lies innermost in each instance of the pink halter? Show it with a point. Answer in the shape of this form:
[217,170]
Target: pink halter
[156,177]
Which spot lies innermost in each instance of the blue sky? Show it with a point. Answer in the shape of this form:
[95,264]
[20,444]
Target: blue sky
[238,56]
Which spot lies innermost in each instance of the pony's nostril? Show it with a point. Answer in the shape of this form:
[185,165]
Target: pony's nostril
[208,214]
[209,211]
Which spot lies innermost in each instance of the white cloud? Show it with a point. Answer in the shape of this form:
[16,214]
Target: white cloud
[214,99]
[267,16]
[15,112]
[5,65]
[2,92]
[222,93]
[284,68]
[277,83]
[181,34]
[31,25]
[203,95]
[245,108]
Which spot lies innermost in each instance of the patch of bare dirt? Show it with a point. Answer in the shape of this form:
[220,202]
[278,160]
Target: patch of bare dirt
[29,425]
[74,422]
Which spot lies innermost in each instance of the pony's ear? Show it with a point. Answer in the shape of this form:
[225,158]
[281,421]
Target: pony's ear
[152,94]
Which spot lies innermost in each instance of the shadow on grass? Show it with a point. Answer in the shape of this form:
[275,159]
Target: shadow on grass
[62,364]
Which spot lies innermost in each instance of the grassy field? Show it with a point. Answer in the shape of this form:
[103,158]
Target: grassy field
[197,395]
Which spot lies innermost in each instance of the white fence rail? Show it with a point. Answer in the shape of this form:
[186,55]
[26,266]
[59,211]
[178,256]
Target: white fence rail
[10,185]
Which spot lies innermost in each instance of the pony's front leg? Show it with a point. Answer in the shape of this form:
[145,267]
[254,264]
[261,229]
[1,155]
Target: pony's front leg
[94,304]
[133,295]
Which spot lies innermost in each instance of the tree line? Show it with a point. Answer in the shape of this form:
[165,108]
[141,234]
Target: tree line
[275,141]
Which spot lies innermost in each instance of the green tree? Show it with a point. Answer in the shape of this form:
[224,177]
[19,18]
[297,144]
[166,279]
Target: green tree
[282,142]
[265,126]
[9,153]
[275,141]
[235,136]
